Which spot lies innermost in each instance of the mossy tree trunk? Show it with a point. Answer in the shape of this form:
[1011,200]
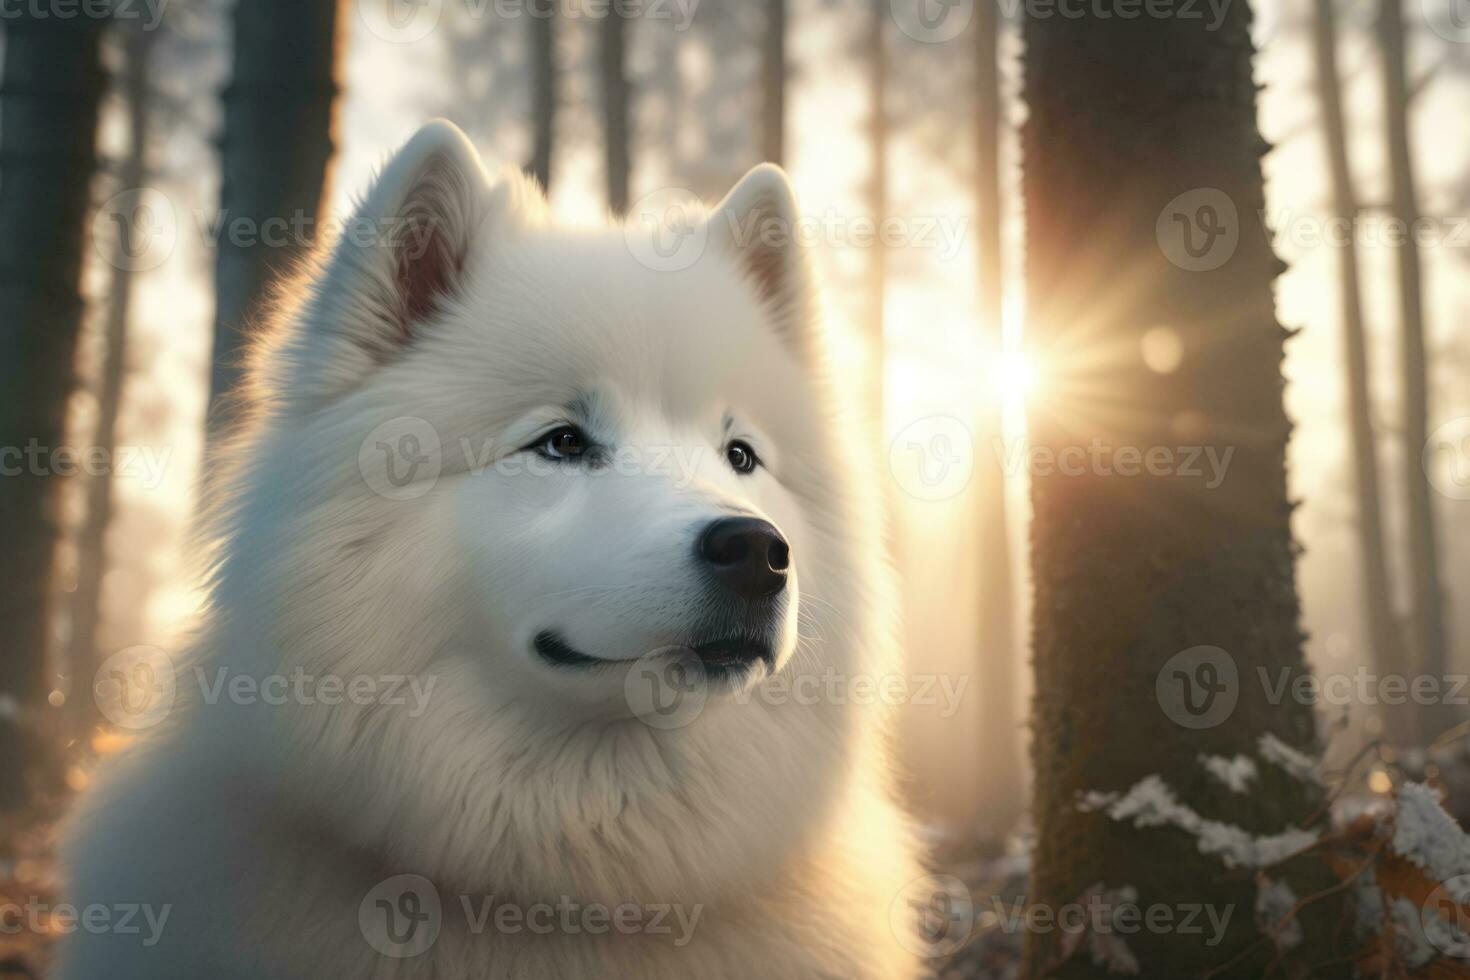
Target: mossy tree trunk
[1153,315]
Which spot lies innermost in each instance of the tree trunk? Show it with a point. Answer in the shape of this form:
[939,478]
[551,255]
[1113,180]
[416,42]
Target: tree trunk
[615,110]
[1428,633]
[543,89]
[1385,647]
[49,95]
[773,84]
[92,540]
[279,113]
[1141,146]
[1000,777]
[878,191]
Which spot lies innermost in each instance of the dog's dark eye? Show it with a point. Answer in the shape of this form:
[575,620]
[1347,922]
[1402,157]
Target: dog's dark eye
[566,442]
[741,456]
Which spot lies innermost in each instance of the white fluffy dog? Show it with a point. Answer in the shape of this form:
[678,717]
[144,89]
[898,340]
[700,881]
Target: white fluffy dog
[528,530]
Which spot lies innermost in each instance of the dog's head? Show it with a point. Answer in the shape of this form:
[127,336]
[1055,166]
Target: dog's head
[520,461]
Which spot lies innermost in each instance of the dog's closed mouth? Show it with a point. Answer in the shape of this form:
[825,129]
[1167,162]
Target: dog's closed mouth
[720,657]
[554,650]
[735,653]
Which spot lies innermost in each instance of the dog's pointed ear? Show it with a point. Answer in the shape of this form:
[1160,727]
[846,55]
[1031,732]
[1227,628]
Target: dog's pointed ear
[400,260]
[409,241]
[757,224]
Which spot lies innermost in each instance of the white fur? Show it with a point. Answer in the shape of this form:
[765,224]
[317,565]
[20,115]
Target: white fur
[264,827]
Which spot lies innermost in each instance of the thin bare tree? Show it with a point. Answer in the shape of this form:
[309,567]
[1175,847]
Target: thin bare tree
[279,110]
[1001,779]
[1428,633]
[773,83]
[49,95]
[1385,644]
[91,540]
[543,89]
[877,58]
[615,109]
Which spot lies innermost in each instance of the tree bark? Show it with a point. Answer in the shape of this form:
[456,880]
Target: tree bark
[773,84]
[49,97]
[1429,633]
[615,110]
[86,601]
[543,90]
[1132,571]
[1385,645]
[279,111]
[1001,778]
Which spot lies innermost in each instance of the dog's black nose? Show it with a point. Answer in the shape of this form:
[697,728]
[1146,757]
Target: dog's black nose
[747,555]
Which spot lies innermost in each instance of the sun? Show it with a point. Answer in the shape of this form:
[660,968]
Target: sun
[1012,376]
